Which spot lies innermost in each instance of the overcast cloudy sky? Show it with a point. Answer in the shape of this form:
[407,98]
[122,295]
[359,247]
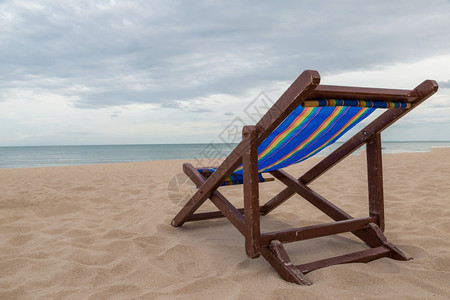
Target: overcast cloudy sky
[118,72]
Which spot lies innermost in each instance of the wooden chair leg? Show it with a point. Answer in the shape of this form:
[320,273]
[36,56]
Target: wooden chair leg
[276,255]
[251,192]
[226,209]
[375,179]
[395,253]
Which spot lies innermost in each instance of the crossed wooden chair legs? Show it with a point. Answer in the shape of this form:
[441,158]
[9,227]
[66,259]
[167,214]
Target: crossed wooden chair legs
[270,244]
[277,256]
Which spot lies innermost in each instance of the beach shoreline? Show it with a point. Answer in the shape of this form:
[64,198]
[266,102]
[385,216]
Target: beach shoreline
[47,156]
[103,231]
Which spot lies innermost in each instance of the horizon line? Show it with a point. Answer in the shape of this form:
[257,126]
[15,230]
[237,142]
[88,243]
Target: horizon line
[202,143]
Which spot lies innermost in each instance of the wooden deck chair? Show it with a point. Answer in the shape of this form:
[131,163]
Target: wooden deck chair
[306,118]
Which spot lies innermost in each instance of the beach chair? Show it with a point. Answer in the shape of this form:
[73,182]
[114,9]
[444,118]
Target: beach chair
[307,118]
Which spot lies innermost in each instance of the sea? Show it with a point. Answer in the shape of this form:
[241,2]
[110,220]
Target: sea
[46,156]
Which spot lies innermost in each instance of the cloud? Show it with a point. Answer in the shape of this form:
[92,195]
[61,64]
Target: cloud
[444,84]
[108,53]
[201,110]
[127,70]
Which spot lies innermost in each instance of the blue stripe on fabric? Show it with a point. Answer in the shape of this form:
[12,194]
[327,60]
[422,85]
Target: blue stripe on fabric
[304,131]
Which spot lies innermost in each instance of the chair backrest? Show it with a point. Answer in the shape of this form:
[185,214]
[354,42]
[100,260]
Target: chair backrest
[312,127]
[305,132]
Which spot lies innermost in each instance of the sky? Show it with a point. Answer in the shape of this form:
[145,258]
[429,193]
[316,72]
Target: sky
[148,72]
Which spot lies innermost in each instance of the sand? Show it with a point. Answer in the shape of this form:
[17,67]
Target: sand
[103,232]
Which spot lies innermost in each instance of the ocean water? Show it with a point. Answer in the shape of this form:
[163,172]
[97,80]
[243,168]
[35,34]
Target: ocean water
[40,156]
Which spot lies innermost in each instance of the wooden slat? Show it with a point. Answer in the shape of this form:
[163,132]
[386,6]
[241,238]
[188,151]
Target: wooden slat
[314,231]
[209,215]
[360,256]
[362,93]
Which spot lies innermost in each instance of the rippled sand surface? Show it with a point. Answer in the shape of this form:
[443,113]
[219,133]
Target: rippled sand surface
[103,232]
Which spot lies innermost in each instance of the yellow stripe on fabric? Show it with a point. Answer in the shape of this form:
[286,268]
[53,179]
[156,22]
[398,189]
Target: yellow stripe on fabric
[284,134]
[310,103]
[278,140]
[349,123]
[336,112]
